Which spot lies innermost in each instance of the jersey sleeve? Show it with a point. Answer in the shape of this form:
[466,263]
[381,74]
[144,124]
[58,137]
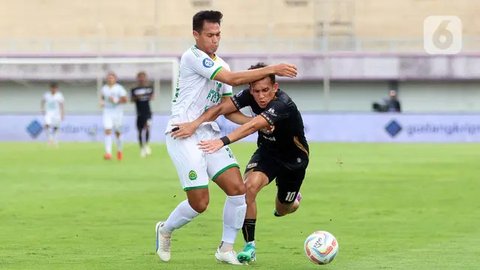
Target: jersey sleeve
[132,93]
[61,99]
[123,92]
[275,111]
[242,99]
[153,91]
[227,90]
[202,64]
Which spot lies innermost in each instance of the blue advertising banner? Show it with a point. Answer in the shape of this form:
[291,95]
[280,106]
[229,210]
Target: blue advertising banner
[348,127]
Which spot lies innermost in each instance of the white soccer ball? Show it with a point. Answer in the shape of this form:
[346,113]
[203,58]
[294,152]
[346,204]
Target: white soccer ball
[321,247]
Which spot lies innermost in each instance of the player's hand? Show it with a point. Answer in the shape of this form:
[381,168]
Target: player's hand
[286,70]
[183,130]
[210,146]
[101,103]
[113,100]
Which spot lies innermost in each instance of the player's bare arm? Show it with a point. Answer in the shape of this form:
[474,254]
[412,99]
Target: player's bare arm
[185,130]
[257,123]
[62,111]
[247,76]
[238,117]
[101,102]
[123,100]
[42,106]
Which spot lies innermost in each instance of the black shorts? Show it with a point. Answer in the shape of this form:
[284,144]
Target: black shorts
[143,121]
[288,181]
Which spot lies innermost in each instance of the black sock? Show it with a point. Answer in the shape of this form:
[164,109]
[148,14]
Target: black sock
[140,138]
[147,135]
[248,230]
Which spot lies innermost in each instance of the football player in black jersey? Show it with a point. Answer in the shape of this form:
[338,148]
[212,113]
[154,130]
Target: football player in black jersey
[282,153]
[142,94]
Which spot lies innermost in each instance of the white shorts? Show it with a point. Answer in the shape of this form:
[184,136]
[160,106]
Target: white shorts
[113,120]
[194,167]
[53,119]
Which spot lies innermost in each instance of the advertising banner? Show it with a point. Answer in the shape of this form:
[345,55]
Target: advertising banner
[348,127]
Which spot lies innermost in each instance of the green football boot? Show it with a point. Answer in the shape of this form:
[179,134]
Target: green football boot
[247,254]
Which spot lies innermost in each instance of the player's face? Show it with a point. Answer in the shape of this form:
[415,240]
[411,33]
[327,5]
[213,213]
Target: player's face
[263,91]
[53,89]
[111,79]
[209,38]
[141,79]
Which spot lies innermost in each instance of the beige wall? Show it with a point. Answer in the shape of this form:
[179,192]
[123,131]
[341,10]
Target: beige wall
[243,18]
[404,18]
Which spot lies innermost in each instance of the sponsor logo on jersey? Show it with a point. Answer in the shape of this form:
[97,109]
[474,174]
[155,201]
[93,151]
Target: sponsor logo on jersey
[272,139]
[251,165]
[271,111]
[208,63]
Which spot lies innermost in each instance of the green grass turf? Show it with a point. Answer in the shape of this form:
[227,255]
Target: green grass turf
[391,206]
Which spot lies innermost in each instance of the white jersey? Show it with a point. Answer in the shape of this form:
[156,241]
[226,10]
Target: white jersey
[196,91]
[116,91]
[53,102]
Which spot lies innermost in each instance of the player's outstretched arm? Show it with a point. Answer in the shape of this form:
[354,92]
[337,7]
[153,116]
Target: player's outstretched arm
[248,76]
[238,117]
[257,123]
[185,130]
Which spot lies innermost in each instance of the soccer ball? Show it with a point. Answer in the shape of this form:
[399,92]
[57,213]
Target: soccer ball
[321,247]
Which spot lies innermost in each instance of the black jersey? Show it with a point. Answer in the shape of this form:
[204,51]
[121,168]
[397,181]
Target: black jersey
[142,95]
[285,142]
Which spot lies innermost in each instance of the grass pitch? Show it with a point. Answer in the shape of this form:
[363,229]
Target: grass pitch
[391,206]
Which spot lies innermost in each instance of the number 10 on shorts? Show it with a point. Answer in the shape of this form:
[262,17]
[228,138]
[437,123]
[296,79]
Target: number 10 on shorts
[442,35]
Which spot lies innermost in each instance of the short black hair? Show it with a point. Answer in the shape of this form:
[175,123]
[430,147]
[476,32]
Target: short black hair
[262,65]
[206,15]
[53,85]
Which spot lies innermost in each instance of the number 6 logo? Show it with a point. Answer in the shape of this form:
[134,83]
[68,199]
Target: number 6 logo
[442,35]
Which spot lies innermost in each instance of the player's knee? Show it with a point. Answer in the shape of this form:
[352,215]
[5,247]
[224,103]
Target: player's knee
[239,189]
[294,206]
[282,211]
[199,205]
[251,189]
[235,188]
[287,208]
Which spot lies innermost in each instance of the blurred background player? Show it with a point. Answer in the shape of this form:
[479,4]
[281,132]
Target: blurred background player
[282,154]
[113,96]
[206,80]
[53,110]
[142,94]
